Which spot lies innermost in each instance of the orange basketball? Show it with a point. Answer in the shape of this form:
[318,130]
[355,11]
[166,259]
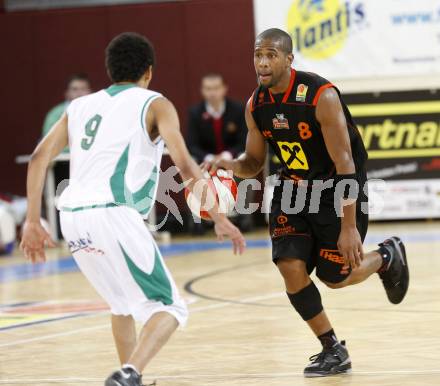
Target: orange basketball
[225,190]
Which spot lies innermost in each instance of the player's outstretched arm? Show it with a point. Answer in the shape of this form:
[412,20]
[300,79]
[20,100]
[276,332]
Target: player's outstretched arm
[330,115]
[251,162]
[163,115]
[34,235]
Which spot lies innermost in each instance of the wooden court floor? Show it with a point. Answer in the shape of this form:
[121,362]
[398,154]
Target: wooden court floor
[54,330]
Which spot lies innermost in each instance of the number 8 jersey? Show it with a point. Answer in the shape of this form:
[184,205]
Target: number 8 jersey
[288,123]
[113,160]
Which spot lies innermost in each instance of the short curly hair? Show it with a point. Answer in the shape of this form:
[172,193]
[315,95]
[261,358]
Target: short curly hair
[128,56]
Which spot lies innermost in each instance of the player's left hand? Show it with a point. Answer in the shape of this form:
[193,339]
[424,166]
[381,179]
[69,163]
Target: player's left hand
[215,164]
[350,246]
[223,227]
[33,241]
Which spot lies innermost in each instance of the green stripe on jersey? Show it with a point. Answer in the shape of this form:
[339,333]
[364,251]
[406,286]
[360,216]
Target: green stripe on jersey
[115,89]
[79,208]
[143,109]
[142,199]
[117,180]
[155,285]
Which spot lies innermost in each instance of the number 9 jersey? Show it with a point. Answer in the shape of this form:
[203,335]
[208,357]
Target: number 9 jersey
[113,160]
[288,123]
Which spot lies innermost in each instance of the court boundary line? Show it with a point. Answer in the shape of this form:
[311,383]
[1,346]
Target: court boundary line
[47,320]
[249,376]
[25,271]
[100,326]
[188,287]
[107,325]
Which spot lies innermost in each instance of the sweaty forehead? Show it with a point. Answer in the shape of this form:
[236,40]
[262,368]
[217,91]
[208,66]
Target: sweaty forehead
[268,44]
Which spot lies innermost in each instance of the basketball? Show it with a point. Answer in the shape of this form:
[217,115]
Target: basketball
[225,190]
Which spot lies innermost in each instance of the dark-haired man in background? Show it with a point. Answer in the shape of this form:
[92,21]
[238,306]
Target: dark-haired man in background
[217,130]
[216,126]
[78,85]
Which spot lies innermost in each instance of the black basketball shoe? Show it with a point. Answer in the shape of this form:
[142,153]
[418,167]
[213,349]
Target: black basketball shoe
[395,275]
[330,361]
[124,377]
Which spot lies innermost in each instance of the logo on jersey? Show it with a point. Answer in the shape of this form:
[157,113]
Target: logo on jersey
[280,122]
[321,28]
[293,155]
[84,244]
[282,219]
[301,92]
[335,256]
[267,134]
[332,255]
[284,229]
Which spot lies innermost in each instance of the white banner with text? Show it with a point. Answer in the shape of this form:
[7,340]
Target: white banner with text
[341,39]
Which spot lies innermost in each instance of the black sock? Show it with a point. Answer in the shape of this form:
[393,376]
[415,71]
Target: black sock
[386,256]
[328,339]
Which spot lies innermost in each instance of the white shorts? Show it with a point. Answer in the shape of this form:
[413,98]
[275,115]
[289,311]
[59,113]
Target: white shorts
[118,255]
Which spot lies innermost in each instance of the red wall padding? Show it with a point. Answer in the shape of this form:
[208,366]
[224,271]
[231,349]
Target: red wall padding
[39,50]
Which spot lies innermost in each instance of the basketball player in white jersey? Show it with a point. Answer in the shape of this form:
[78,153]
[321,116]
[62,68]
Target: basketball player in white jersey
[116,137]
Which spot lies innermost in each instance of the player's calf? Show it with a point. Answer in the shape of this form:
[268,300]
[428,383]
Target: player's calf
[307,302]
[334,358]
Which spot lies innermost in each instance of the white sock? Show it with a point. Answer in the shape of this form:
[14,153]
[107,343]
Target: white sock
[129,366]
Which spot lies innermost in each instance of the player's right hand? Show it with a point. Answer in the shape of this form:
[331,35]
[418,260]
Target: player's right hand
[212,166]
[224,228]
[350,246]
[33,241]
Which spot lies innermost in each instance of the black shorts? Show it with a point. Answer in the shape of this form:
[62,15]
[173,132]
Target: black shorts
[313,237]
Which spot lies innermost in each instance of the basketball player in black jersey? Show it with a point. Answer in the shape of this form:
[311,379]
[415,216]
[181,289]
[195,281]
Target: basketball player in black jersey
[303,118]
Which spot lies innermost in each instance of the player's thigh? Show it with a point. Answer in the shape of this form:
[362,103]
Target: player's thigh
[87,235]
[148,285]
[291,238]
[326,225]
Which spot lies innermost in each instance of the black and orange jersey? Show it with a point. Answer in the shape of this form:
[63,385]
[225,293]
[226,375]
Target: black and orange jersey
[288,123]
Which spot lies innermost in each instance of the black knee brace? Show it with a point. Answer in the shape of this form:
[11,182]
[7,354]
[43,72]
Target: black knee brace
[307,302]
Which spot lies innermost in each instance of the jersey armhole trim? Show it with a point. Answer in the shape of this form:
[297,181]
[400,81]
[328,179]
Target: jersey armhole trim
[143,117]
[289,89]
[320,91]
[251,102]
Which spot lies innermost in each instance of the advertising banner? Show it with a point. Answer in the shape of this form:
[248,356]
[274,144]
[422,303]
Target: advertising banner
[341,39]
[401,132]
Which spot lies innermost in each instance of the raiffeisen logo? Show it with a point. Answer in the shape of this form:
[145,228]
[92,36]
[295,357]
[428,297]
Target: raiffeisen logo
[320,28]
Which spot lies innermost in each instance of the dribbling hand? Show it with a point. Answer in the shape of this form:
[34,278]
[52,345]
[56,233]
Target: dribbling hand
[212,166]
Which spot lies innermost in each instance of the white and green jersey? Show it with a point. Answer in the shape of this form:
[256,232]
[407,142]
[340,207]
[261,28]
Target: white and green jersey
[113,160]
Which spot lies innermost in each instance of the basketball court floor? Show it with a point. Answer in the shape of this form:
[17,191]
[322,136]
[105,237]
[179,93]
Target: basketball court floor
[54,329]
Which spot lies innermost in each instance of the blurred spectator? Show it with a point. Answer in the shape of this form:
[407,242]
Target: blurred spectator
[216,126]
[216,129]
[77,85]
